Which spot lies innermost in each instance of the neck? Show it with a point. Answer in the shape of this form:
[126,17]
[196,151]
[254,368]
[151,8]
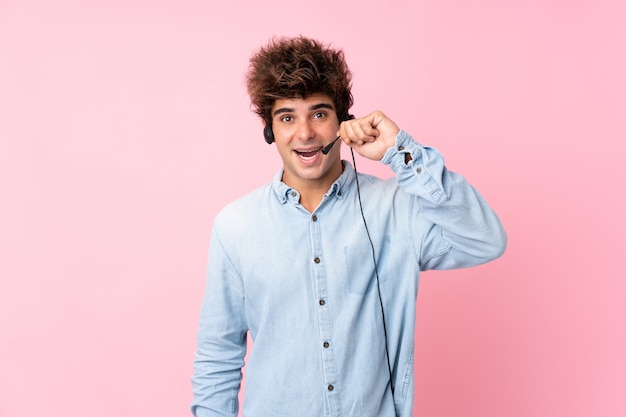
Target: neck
[311,198]
[312,191]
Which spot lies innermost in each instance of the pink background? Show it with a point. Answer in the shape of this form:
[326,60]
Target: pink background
[125,127]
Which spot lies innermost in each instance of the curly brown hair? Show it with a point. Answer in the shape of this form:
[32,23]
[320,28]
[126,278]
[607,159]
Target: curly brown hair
[297,68]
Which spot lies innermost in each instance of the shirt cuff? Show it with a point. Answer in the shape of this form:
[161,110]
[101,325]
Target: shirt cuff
[396,155]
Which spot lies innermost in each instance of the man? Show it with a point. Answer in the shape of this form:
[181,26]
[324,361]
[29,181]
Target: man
[321,266]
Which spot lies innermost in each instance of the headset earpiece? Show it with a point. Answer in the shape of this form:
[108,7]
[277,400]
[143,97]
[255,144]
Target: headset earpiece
[268,133]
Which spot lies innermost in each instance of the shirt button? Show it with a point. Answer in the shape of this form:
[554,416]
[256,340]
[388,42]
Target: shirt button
[418,170]
[322,302]
[293,193]
[339,193]
[316,260]
[326,344]
[330,388]
[400,148]
[314,218]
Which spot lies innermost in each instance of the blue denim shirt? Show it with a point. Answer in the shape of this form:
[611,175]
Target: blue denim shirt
[304,286]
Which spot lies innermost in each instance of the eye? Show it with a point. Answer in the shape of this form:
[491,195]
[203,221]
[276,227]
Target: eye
[286,118]
[319,115]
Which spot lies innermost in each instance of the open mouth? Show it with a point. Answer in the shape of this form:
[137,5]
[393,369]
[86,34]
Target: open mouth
[309,153]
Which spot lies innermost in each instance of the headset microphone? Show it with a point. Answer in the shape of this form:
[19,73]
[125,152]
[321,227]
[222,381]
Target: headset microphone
[328,147]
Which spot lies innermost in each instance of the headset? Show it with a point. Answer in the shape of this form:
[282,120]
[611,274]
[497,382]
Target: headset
[268,134]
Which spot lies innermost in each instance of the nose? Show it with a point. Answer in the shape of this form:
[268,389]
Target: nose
[304,130]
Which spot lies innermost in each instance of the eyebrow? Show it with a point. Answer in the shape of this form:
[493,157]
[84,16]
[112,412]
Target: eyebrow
[321,106]
[313,107]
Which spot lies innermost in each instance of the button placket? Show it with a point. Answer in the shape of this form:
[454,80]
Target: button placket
[323,309]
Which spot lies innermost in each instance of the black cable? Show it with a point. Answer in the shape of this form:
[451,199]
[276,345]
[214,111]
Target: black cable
[380,298]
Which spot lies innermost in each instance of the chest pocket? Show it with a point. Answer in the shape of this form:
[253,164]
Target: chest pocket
[360,267]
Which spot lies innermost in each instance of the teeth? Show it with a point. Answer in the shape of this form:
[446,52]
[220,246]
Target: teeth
[308,154]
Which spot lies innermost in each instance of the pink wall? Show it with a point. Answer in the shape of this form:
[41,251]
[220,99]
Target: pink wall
[121,120]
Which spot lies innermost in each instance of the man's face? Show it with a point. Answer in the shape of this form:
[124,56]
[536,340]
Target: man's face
[302,127]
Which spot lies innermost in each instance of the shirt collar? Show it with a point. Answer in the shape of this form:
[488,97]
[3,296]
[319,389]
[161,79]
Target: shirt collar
[338,188]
